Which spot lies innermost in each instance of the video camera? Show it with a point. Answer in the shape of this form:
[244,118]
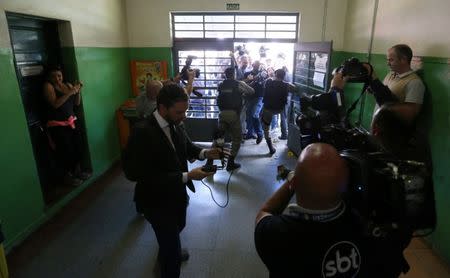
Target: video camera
[218,142]
[187,67]
[387,192]
[354,70]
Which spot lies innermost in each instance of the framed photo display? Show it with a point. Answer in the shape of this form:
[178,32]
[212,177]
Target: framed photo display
[142,71]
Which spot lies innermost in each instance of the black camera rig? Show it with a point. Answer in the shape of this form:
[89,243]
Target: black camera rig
[354,70]
[388,192]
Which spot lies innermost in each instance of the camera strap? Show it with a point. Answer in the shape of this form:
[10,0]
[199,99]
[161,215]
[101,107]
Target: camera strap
[353,106]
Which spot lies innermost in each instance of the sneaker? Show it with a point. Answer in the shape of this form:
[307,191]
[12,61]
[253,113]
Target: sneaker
[282,137]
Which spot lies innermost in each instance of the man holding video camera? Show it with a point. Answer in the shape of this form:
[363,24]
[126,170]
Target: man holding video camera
[317,236]
[321,235]
[401,85]
[157,154]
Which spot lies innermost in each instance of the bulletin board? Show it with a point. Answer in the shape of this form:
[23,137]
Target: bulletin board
[142,71]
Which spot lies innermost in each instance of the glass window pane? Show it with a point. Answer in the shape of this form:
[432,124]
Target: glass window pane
[282,19]
[28,40]
[184,54]
[217,54]
[219,18]
[219,35]
[219,27]
[218,61]
[188,18]
[215,69]
[188,26]
[250,27]
[281,27]
[188,34]
[28,57]
[252,35]
[281,35]
[250,18]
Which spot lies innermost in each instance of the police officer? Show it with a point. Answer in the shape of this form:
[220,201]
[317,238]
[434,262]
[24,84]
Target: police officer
[229,102]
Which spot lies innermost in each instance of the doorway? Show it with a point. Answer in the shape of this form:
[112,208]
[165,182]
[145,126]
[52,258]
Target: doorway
[36,45]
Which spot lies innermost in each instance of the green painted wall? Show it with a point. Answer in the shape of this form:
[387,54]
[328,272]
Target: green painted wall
[435,74]
[105,73]
[21,202]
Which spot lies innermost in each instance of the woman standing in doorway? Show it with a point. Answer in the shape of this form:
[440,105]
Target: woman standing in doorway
[65,137]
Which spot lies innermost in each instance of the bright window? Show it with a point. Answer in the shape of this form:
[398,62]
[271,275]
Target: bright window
[264,26]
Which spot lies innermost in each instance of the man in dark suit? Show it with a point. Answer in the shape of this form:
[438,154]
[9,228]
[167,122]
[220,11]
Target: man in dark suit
[160,148]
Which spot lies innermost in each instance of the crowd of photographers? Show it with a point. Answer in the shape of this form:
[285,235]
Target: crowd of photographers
[355,211]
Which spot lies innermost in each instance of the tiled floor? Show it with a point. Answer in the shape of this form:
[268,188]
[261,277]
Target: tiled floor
[100,235]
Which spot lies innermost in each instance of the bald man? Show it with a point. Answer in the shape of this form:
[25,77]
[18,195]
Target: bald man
[146,102]
[316,236]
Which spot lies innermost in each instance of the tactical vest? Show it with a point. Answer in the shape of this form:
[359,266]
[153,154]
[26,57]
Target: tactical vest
[229,97]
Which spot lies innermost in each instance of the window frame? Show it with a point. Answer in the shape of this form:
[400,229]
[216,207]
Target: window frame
[234,22]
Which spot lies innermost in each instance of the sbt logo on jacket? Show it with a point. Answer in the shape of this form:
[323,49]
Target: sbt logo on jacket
[343,259]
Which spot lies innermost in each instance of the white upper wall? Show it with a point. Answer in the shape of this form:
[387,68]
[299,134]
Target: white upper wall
[423,25]
[149,20]
[94,23]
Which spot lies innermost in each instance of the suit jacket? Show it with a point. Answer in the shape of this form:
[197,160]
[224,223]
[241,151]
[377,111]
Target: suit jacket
[159,166]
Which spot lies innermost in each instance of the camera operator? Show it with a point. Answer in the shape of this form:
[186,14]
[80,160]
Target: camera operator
[255,79]
[401,85]
[187,76]
[320,235]
[317,234]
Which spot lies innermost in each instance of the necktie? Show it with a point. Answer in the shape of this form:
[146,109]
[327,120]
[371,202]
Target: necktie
[179,151]
[174,137]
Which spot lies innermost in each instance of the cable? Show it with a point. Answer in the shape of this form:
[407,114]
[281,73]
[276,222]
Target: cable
[227,189]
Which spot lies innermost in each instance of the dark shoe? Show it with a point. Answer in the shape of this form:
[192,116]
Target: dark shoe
[259,140]
[272,150]
[282,137]
[248,137]
[184,255]
[231,165]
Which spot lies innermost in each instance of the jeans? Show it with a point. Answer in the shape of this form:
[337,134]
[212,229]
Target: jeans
[254,107]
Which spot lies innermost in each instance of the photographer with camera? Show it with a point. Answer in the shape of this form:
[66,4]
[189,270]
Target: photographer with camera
[188,75]
[402,85]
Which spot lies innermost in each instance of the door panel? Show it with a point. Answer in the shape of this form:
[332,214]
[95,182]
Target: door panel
[211,60]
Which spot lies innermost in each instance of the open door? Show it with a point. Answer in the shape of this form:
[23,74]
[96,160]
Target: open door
[36,44]
[311,73]
[211,59]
